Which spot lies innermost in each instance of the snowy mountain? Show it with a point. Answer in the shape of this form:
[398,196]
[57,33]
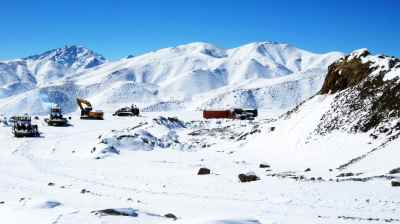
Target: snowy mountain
[331,159]
[17,76]
[265,75]
[351,126]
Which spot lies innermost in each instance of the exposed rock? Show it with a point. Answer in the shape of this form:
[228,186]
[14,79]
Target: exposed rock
[395,171]
[346,73]
[307,170]
[264,165]
[51,184]
[203,171]
[395,183]
[367,98]
[117,212]
[171,216]
[84,191]
[345,175]
[248,177]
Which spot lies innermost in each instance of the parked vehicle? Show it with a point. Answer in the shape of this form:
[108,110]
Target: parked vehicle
[23,127]
[237,113]
[133,110]
[56,117]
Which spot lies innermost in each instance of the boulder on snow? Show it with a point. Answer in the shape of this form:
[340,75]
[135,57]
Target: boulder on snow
[171,216]
[248,177]
[395,183]
[203,171]
[84,191]
[264,165]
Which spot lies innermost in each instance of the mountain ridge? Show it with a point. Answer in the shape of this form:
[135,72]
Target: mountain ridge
[170,74]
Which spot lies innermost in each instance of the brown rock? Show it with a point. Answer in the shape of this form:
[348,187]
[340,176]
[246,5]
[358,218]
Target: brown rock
[248,177]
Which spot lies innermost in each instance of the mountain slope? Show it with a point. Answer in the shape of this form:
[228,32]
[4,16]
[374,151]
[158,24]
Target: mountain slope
[351,126]
[180,74]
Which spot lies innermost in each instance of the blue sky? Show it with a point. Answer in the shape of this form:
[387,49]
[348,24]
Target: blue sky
[119,28]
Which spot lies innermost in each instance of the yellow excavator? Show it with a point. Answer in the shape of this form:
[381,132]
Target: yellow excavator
[86,110]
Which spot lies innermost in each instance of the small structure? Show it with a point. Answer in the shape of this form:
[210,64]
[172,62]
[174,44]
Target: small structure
[23,127]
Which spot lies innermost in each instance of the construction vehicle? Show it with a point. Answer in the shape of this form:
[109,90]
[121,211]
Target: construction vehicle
[133,110]
[86,110]
[23,127]
[56,117]
[244,114]
[237,113]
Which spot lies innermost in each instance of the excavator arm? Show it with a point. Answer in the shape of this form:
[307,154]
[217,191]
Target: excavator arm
[84,104]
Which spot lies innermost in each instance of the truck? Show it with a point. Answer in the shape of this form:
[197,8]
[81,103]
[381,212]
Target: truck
[236,113]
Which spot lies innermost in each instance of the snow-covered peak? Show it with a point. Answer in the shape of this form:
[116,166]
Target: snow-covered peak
[171,74]
[58,63]
[358,53]
[72,56]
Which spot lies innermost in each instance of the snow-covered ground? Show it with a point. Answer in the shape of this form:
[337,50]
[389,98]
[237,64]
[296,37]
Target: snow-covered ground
[62,177]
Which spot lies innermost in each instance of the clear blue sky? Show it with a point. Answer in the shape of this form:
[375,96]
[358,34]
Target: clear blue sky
[118,28]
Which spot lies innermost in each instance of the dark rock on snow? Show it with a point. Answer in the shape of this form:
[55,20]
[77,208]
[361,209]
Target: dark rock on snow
[248,177]
[395,171]
[264,165]
[117,212]
[171,216]
[204,171]
[395,183]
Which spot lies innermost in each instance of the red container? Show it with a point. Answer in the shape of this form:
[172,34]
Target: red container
[209,114]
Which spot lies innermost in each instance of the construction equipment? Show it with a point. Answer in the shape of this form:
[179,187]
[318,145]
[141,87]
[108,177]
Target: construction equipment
[244,114]
[133,110]
[56,117]
[86,110]
[237,113]
[23,127]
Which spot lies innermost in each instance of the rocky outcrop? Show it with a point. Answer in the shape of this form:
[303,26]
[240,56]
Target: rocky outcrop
[346,72]
[367,96]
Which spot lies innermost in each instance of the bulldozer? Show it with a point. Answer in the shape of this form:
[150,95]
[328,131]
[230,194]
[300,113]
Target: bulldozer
[23,127]
[86,111]
[133,110]
[56,117]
